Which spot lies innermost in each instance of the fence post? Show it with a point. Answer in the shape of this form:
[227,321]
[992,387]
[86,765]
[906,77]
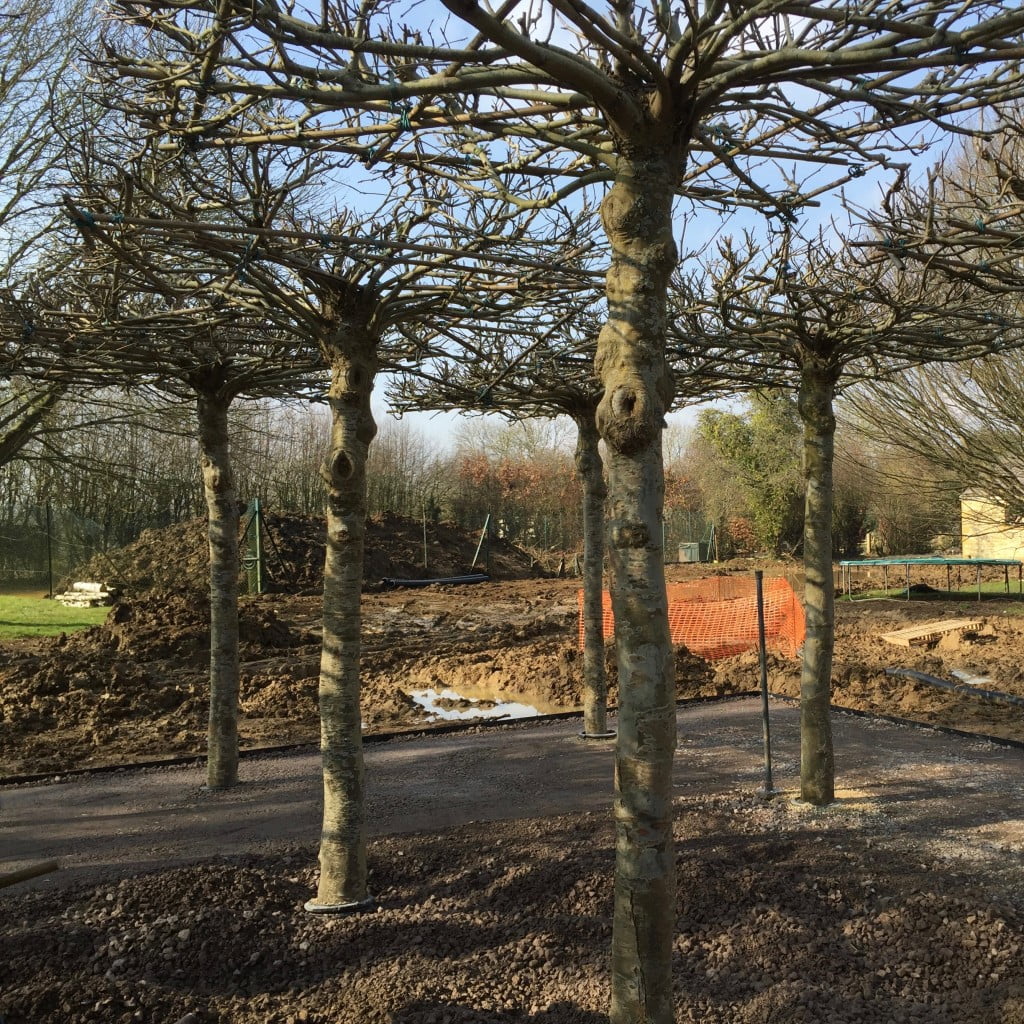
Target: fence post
[483,536]
[49,547]
[253,561]
[424,536]
[258,545]
[765,727]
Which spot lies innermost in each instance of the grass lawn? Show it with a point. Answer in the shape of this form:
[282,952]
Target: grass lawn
[36,616]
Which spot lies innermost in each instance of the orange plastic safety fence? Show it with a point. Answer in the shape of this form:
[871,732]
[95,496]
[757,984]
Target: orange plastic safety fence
[717,617]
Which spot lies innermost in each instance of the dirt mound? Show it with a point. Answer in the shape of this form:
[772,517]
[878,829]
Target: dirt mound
[541,667]
[742,673]
[175,626]
[394,548]
[176,557]
[68,705]
[137,682]
[694,676]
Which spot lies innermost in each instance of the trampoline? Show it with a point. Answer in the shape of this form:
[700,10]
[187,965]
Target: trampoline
[846,568]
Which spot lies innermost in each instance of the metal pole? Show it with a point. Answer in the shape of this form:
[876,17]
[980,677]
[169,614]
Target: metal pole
[424,536]
[250,512]
[259,546]
[49,547]
[765,726]
[483,534]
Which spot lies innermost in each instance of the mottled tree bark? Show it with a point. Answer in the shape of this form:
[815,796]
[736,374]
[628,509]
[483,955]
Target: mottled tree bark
[817,759]
[343,883]
[591,473]
[637,394]
[222,532]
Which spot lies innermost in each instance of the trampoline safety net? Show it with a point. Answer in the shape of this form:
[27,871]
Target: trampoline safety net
[717,617]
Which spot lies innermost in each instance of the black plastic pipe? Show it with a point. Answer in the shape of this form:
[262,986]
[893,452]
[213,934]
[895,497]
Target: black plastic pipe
[962,688]
[448,581]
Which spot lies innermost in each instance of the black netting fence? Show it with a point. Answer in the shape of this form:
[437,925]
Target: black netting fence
[43,545]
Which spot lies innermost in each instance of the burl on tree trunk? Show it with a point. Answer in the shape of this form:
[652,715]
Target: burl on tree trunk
[637,215]
[343,883]
[222,531]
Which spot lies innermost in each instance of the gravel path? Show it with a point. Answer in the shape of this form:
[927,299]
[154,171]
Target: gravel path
[112,822]
[903,903]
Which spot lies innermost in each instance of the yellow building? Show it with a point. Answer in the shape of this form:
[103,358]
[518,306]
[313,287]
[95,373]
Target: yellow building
[987,531]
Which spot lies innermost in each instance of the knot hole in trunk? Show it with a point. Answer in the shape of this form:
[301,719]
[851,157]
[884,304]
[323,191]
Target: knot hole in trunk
[341,466]
[623,402]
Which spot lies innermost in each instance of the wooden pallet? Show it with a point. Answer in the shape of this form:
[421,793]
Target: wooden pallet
[87,595]
[926,632]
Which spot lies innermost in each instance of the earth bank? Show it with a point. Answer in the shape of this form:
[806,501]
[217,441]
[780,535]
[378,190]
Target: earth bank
[135,687]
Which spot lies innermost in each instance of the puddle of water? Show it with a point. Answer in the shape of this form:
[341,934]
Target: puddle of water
[427,699]
[971,677]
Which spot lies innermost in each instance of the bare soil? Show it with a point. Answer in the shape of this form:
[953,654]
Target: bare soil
[783,916]
[176,557]
[134,688]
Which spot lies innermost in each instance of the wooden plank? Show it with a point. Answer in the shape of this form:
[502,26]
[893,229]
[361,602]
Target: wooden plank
[32,871]
[926,632]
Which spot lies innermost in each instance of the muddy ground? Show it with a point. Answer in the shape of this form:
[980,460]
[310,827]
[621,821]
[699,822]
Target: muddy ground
[134,688]
[783,916]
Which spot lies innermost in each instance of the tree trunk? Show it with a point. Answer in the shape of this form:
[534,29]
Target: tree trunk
[20,418]
[222,531]
[591,473]
[637,215]
[343,885]
[817,759]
